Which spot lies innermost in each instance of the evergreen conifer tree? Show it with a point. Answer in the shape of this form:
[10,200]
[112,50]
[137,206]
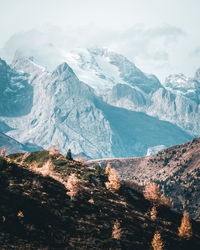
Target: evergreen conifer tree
[69,155]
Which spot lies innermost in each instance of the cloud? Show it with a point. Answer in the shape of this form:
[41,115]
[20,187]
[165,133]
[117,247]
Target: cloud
[152,49]
[196,52]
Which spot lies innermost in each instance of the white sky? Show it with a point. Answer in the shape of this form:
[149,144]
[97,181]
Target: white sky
[160,36]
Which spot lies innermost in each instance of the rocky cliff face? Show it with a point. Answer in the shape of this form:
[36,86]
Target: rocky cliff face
[11,144]
[68,111]
[16,93]
[122,84]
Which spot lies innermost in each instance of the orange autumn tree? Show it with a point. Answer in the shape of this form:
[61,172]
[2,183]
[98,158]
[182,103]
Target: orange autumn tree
[152,193]
[117,231]
[108,167]
[73,186]
[80,158]
[153,213]
[157,243]
[3,152]
[185,230]
[113,178]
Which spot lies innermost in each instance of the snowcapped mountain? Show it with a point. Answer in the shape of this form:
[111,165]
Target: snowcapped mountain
[103,69]
[120,83]
[78,115]
[16,93]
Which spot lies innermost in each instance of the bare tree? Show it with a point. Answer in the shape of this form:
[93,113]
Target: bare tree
[185,230]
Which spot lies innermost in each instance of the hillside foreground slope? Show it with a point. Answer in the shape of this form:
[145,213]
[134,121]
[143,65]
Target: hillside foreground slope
[175,169]
[36,212]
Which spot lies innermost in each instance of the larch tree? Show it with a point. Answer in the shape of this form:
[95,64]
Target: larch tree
[153,213]
[152,193]
[185,230]
[117,231]
[108,167]
[73,186]
[113,178]
[55,149]
[80,159]
[3,152]
[157,242]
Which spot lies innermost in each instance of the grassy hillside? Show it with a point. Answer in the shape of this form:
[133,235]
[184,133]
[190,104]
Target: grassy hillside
[36,212]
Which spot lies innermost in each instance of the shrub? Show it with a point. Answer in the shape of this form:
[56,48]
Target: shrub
[80,159]
[98,170]
[55,149]
[46,169]
[3,163]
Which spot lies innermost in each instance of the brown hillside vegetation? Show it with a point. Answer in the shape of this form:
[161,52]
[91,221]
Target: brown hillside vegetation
[176,170]
[36,212]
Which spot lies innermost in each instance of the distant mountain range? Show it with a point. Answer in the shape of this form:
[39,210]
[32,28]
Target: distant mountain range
[14,146]
[97,103]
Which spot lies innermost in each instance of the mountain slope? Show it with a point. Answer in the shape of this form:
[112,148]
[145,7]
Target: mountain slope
[135,132]
[67,111]
[37,212]
[175,169]
[103,69]
[16,93]
[12,146]
[122,84]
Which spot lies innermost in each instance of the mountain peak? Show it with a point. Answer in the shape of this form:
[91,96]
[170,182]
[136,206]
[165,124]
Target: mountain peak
[63,70]
[26,64]
[63,67]
[179,82]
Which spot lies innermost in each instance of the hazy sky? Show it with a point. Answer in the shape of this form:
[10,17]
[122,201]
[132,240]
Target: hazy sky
[160,36]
